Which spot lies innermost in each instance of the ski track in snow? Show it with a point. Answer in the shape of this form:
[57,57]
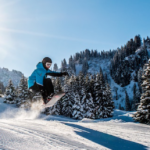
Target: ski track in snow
[61,133]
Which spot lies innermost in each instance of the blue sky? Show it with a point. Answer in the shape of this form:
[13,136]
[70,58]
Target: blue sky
[33,29]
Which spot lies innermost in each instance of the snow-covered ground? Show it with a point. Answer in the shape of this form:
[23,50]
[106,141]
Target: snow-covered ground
[29,130]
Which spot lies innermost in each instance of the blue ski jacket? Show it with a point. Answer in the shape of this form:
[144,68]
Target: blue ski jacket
[39,74]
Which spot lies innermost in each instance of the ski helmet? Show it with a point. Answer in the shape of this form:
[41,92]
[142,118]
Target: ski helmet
[46,59]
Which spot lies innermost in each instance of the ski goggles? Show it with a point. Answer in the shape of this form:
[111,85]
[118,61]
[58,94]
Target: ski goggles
[48,64]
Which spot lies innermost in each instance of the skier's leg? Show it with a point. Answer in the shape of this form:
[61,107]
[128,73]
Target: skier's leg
[48,86]
[49,89]
[36,87]
[36,90]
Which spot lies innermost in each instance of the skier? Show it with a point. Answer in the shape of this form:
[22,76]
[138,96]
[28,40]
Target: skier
[38,81]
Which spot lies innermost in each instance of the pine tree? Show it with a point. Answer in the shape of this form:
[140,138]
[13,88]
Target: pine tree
[140,79]
[64,65]
[23,94]
[127,103]
[104,101]
[68,99]
[87,84]
[70,61]
[55,109]
[83,93]
[55,68]
[2,88]
[76,114]
[110,103]
[102,76]
[57,86]
[143,112]
[85,66]
[137,40]
[91,85]
[98,95]
[134,106]
[10,96]
[89,107]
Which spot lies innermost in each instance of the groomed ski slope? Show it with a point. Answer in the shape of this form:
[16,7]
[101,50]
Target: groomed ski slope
[29,130]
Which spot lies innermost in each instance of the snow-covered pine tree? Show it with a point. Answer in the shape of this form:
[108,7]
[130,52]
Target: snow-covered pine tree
[70,60]
[91,85]
[72,64]
[63,65]
[55,68]
[140,79]
[98,97]
[10,96]
[74,98]
[80,60]
[110,103]
[77,114]
[2,88]
[143,112]
[87,104]
[87,83]
[55,109]
[127,103]
[102,98]
[89,107]
[87,54]
[23,93]
[58,87]
[135,100]
[83,93]
[85,66]
[104,101]
[71,71]
[81,82]
[68,99]
[73,83]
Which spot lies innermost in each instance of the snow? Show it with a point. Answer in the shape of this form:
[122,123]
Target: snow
[126,58]
[138,50]
[78,68]
[29,129]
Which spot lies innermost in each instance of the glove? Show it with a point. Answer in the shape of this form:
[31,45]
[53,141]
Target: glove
[65,73]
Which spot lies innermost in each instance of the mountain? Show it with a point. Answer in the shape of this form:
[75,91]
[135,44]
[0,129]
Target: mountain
[6,75]
[122,67]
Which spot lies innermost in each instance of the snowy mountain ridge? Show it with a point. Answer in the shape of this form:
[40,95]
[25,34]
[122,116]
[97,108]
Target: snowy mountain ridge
[6,75]
[119,99]
[118,92]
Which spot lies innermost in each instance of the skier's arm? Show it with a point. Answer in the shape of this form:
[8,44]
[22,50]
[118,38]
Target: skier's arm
[56,74]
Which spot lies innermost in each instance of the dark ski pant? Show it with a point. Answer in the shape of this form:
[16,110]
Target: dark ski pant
[46,89]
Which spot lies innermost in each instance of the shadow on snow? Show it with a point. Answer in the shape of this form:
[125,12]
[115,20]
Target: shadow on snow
[104,139]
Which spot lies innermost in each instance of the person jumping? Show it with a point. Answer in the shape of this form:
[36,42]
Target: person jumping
[38,81]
